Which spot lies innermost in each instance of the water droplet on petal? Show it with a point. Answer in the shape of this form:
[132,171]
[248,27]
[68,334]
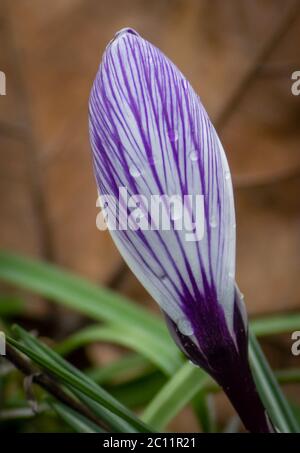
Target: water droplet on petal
[134,171]
[213,222]
[185,327]
[185,84]
[194,156]
[227,175]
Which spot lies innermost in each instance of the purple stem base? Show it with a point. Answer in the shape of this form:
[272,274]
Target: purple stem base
[230,368]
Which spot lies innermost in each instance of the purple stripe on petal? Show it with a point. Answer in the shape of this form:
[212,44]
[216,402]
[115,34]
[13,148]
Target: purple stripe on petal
[150,134]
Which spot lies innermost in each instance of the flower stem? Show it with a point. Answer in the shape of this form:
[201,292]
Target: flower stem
[244,397]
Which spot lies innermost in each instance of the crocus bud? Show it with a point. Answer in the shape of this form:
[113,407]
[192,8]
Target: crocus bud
[152,139]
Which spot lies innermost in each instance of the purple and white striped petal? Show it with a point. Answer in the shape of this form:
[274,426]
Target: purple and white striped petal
[151,136]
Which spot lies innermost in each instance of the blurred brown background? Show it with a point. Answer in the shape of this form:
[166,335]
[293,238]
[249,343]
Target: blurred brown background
[239,56]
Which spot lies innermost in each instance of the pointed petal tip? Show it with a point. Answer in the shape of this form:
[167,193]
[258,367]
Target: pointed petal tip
[125,30]
[121,34]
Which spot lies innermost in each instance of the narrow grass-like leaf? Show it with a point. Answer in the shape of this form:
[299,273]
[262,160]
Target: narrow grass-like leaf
[177,392]
[273,325]
[98,303]
[291,375]
[117,423]
[104,305]
[121,335]
[76,421]
[129,365]
[204,410]
[188,381]
[140,391]
[270,392]
[11,306]
[113,420]
[70,376]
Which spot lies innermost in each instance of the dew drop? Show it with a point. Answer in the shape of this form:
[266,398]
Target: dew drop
[134,171]
[231,274]
[213,222]
[185,84]
[185,327]
[227,175]
[194,156]
[159,273]
[140,216]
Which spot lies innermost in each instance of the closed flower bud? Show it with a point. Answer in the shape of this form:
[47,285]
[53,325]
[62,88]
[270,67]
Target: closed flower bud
[156,151]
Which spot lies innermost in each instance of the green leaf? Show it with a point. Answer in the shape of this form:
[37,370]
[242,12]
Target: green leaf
[76,421]
[129,365]
[176,393]
[276,404]
[139,391]
[151,337]
[203,405]
[273,325]
[296,411]
[117,424]
[98,303]
[122,335]
[10,305]
[187,382]
[291,375]
[70,376]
